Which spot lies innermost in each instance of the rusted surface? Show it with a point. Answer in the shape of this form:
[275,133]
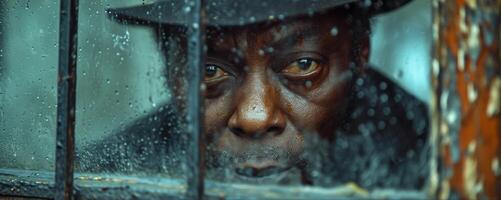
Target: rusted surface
[196,56]
[66,99]
[26,183]
[467,82]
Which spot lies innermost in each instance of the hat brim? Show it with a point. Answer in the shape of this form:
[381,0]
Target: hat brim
[239,12]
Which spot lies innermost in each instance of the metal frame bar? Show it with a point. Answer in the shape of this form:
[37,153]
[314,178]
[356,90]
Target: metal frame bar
[27,183]
[66,97]
[196,59]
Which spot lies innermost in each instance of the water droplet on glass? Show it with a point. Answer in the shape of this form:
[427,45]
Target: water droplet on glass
[334,31]
[261,52]
[307,84]
[367,3]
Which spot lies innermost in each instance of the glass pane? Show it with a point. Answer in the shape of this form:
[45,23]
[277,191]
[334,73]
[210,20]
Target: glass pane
[129,121]
[28,74]
[292,96]
[312,97]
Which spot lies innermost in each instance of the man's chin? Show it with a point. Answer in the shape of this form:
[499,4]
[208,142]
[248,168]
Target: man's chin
[286,176]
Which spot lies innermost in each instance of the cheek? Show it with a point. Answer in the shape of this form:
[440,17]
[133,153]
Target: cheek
[216,114]
[303,114]
[322,105]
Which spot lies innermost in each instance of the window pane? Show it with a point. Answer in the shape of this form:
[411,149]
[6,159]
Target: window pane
[28,74]
[129,120]
[290,99]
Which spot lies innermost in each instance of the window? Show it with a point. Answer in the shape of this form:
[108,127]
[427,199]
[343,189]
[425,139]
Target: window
[237,99]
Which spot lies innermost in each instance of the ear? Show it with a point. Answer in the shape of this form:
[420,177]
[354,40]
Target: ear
[365,50]
[362,59]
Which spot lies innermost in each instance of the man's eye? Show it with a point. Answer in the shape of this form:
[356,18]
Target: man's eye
[301,67]
[214,73]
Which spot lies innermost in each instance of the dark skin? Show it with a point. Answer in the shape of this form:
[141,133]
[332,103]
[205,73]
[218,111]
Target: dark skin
[270,85]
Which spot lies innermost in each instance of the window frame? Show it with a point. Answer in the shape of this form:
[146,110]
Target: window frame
[63,183]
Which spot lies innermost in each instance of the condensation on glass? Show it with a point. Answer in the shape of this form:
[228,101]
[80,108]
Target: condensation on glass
[267,119]
[28,68]
[267,101]
[286,102]
[129,119]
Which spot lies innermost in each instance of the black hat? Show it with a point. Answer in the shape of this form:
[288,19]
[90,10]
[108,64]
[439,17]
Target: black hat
[241,12]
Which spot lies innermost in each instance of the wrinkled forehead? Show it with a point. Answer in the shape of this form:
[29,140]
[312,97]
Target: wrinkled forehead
[304,27]
[285,32]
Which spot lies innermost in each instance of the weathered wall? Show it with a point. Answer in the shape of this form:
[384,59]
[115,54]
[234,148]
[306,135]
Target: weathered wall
[467,82]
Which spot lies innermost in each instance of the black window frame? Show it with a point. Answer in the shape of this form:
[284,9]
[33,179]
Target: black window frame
[63,183]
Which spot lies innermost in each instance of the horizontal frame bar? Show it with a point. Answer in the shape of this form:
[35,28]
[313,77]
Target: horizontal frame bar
[28,183]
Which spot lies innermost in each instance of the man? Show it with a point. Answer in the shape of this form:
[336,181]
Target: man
[288,99]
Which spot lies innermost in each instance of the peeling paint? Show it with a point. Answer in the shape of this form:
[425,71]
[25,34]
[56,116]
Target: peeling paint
[494,105]
[472,93]
[467,81]
[471,3]
[435,67]
[495,167]
[470,173]
[461,59]
[445,190]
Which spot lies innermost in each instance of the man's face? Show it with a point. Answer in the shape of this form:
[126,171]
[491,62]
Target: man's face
[268,87]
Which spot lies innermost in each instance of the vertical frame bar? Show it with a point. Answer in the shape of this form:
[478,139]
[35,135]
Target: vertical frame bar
[196,60]
[66,93]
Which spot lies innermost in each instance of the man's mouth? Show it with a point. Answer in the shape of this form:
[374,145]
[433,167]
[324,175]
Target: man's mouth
[258,172]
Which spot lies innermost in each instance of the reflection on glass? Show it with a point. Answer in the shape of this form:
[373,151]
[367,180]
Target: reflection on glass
[289,97]
[28,68]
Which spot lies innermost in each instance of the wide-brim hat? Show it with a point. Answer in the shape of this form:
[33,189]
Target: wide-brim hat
[241,12]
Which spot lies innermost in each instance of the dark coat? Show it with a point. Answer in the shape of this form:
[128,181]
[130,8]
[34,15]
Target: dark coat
[383,143]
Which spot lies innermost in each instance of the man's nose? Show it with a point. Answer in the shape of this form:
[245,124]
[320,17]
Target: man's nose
[257,114]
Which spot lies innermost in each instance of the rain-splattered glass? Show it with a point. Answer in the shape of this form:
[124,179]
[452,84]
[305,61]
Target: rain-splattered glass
[309,101]
[129,119]
[28,75]
[286,101]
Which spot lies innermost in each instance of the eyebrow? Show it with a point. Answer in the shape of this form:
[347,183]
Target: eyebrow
[296,35]
[288,37]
